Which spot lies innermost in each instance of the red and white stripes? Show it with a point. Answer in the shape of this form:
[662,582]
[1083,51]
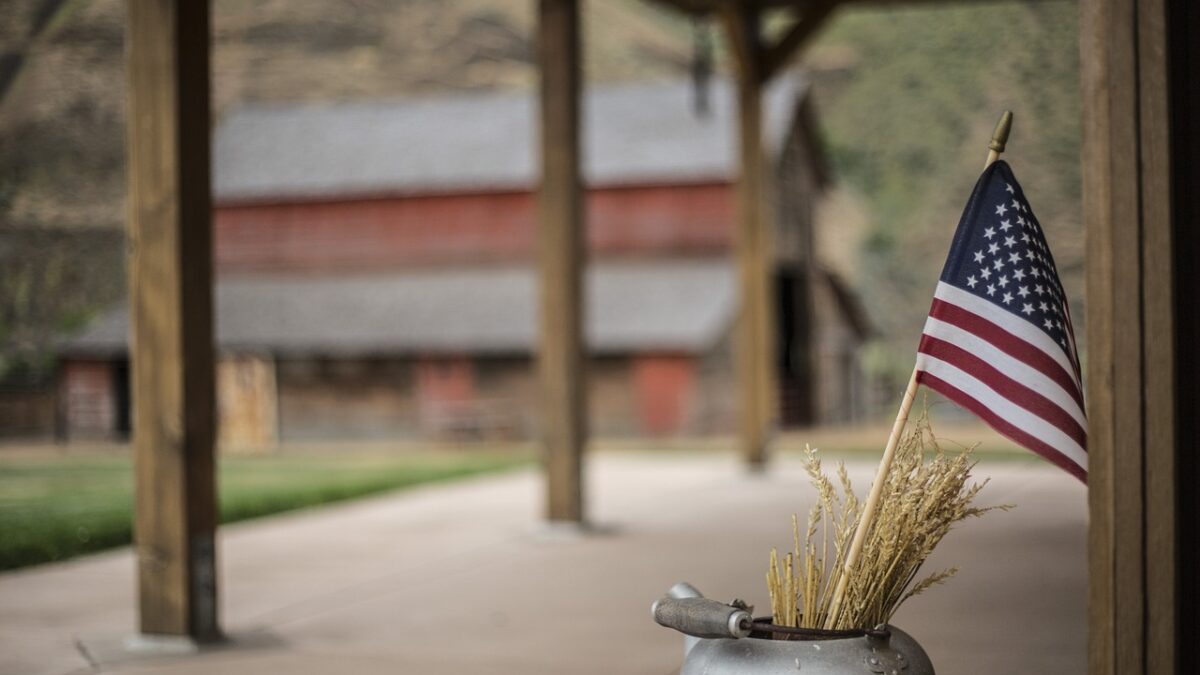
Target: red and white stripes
[1008,372]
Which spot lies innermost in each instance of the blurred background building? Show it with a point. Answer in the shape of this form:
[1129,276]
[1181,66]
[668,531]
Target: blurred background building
[376,281]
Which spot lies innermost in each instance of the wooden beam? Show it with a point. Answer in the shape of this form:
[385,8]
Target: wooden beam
[1159,359]
[754,344]
[1133,401]
[1094,26]
[561,261]
[745,43]
[777,55]
[701,7]
[1183,58]
[171,355]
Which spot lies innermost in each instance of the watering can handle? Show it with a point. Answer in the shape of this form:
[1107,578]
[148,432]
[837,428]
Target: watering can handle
[701,617]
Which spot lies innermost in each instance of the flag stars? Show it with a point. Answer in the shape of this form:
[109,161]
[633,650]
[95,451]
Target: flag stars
[1010,265]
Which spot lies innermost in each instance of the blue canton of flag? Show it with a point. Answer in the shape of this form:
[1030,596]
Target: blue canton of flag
[999,339]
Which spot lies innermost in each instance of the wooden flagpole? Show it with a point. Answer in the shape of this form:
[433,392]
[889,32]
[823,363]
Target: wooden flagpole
[995,147]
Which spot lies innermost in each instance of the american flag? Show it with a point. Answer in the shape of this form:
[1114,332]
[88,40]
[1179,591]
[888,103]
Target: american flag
[999,339]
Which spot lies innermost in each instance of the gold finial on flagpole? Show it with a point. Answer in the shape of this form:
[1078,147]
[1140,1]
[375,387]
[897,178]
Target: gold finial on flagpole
[999,137]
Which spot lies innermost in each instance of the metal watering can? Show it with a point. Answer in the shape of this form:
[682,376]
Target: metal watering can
[725,639]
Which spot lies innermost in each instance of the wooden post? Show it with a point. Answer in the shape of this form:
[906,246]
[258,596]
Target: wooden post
[754,342]
[1139,110]
[171,347]
[561,261]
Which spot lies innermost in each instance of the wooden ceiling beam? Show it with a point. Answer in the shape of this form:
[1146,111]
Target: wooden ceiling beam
[745,41]
[776,56]
[701,7]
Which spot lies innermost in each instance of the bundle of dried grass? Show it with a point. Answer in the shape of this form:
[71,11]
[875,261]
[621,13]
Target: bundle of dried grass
[925,493]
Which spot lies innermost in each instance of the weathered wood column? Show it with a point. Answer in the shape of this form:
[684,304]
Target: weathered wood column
[753,343]
[561,261]
[171,348]
[1140,141]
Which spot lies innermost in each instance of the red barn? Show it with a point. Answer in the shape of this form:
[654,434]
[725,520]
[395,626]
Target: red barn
[375,277]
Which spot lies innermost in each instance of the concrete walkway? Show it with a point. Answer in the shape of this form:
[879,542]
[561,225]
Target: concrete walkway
[458,579]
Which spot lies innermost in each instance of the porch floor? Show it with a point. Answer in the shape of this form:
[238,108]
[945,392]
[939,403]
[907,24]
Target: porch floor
[462,578]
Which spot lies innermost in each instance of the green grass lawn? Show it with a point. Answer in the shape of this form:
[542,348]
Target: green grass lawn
[55,507]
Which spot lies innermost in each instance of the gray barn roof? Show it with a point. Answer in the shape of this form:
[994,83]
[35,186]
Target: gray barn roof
[658,306]
[633,133]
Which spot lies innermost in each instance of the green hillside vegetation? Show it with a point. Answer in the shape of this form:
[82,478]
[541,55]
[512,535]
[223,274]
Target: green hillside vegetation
[907,99]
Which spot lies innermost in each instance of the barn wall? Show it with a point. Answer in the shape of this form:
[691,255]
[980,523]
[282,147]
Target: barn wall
[840,391]
[714,408]
[796,185]
[326,400]
[494,398]
[612,410]
[263,402]
[247,404]
[89,399]
[27,412]
[448,399]
[665,385]
[505,398]
[353,235]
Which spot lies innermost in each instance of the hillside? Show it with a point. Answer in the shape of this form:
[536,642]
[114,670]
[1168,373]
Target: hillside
[906,96]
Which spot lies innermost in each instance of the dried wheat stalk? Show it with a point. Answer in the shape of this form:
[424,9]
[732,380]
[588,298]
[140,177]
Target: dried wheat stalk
[925,494]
